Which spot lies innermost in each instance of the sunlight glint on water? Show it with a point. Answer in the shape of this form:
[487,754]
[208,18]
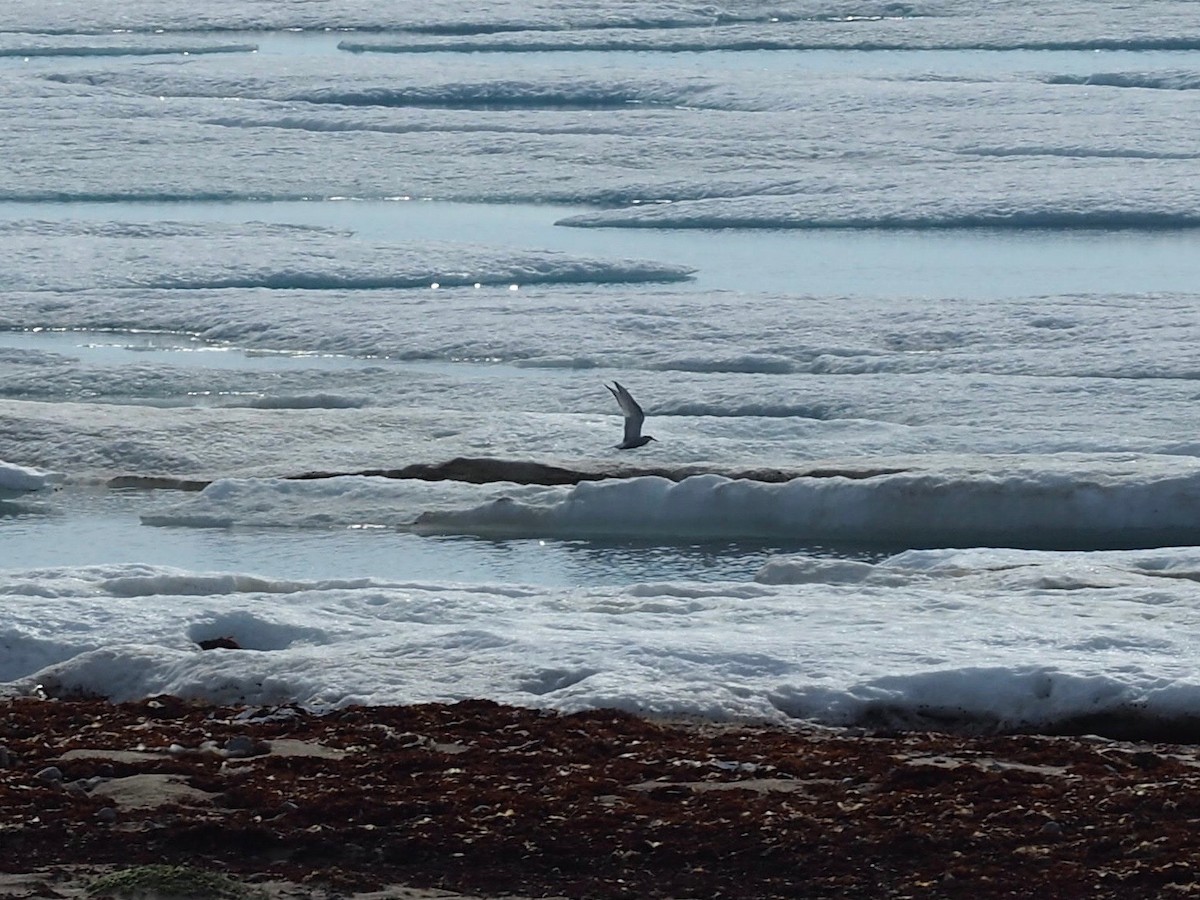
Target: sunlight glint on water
[957,264]
[90,528]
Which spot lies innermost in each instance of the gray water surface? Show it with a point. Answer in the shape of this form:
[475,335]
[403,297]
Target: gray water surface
[964,264]
[84,527]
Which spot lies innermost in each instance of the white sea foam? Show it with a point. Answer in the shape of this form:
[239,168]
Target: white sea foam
[282,130]
[998,25]
[28,47]
[326,503]
[1027,640]
[1049,502]
[1169,81]
[1150,207]
[301,401]
[16,480]
[883,32]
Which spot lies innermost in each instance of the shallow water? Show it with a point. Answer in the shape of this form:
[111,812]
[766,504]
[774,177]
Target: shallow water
[116,348]
[970,265]
[76,527]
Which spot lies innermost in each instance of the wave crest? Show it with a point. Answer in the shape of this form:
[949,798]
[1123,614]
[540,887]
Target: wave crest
[1042,510]
[685,214]
[1159,81]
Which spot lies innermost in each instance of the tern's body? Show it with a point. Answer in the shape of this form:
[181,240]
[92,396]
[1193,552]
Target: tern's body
[634,417]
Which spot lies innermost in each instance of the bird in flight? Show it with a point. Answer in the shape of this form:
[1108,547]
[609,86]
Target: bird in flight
[634,417]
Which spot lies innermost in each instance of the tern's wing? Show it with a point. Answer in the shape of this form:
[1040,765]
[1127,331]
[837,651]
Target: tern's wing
[634,417]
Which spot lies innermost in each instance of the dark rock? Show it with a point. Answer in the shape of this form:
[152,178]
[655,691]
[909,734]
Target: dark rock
[50,775]
[484,470]
[243,746]
[107,815]
[219,643]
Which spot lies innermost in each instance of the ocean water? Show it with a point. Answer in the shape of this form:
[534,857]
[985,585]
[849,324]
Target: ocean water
[908,297]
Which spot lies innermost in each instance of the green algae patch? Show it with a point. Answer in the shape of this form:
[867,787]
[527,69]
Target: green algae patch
[169,883]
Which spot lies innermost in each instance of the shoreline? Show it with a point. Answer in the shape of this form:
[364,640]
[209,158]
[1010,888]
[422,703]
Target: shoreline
[486,800]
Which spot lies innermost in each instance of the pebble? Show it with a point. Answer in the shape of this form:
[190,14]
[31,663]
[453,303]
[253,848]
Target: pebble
[107,815]
[1051,828]
[78,788]
[409,739]
[1145,759]
[50,775]
[244,745]
[85,786]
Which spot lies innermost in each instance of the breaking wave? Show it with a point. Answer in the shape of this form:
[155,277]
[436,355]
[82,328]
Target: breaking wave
[299,401]
[820,411]
[18,481]
[1054,506]
[613,273]
[500,95]
[739,39]
[87,50]
[302,258]
[1047,511]
[749,364]
[1078,152]
[495,96]
[685,215]
[1159,81]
